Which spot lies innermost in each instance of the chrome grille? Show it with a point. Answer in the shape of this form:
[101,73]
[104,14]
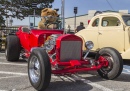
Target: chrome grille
[70,50]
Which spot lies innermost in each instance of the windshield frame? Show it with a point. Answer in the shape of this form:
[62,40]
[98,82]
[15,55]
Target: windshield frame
[35,19]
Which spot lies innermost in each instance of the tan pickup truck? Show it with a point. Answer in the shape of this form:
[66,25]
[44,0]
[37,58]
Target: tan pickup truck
[109,30]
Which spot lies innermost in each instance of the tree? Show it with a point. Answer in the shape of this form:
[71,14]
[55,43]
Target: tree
[2,21]
[22,8]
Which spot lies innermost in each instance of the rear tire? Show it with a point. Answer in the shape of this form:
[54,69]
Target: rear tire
[12,48]
[39,69]
[115,61]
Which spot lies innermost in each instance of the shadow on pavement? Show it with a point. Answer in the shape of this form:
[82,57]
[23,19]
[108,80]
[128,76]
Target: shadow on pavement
[126,62]
[69,86]
[2,51]
[96,78]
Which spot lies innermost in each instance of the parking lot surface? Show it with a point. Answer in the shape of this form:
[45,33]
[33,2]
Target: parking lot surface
[14,77]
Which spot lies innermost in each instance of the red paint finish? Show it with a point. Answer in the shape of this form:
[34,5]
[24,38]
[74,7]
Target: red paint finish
[67,37]
[74,66]
[74,70]
[34,38]
[103,61]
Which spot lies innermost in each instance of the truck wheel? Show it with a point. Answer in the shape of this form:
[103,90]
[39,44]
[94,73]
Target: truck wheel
[12,48]
[115,63]
[39,69]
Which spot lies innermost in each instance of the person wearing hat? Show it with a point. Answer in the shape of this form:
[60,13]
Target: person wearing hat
[80,27]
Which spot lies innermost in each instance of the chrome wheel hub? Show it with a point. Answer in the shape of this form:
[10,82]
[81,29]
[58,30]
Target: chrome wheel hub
[109,58]
[34,69]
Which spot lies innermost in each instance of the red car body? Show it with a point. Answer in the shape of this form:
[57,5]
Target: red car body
[34,37]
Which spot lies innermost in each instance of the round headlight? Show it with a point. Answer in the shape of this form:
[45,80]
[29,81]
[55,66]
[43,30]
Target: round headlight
[89,45]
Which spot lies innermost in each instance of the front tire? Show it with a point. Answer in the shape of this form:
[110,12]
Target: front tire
[12,48]
[115,63]
[39,69]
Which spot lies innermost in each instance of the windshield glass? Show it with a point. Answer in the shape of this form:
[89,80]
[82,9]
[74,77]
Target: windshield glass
[126,19]
[34,21]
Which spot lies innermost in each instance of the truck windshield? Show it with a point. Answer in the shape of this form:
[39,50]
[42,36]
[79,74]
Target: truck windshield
[126,19]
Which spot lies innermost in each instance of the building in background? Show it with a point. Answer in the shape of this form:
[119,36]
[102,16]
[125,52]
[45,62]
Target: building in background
[83,18]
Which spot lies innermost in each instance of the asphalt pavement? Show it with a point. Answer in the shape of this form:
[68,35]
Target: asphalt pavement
[13,77]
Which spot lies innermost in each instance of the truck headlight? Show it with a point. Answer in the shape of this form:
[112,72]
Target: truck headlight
[89,45]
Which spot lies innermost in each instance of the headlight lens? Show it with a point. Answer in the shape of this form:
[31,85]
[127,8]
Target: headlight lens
[89,45]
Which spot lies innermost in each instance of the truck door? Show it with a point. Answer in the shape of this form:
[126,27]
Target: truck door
[111,33]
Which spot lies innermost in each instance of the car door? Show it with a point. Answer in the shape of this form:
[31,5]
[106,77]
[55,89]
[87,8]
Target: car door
[111,33]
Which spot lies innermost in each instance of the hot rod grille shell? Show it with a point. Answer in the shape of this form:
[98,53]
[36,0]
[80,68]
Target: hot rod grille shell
[70,50]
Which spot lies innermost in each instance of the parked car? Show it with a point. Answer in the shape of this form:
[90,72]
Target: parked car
[50,51]
[109,29]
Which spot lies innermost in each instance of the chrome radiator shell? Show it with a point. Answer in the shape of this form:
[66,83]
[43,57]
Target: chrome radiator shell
[70,50]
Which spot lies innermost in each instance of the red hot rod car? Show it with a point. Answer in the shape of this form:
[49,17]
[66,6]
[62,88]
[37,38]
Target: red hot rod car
[53,52]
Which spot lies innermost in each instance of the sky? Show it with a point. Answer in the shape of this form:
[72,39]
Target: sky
[83,7]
